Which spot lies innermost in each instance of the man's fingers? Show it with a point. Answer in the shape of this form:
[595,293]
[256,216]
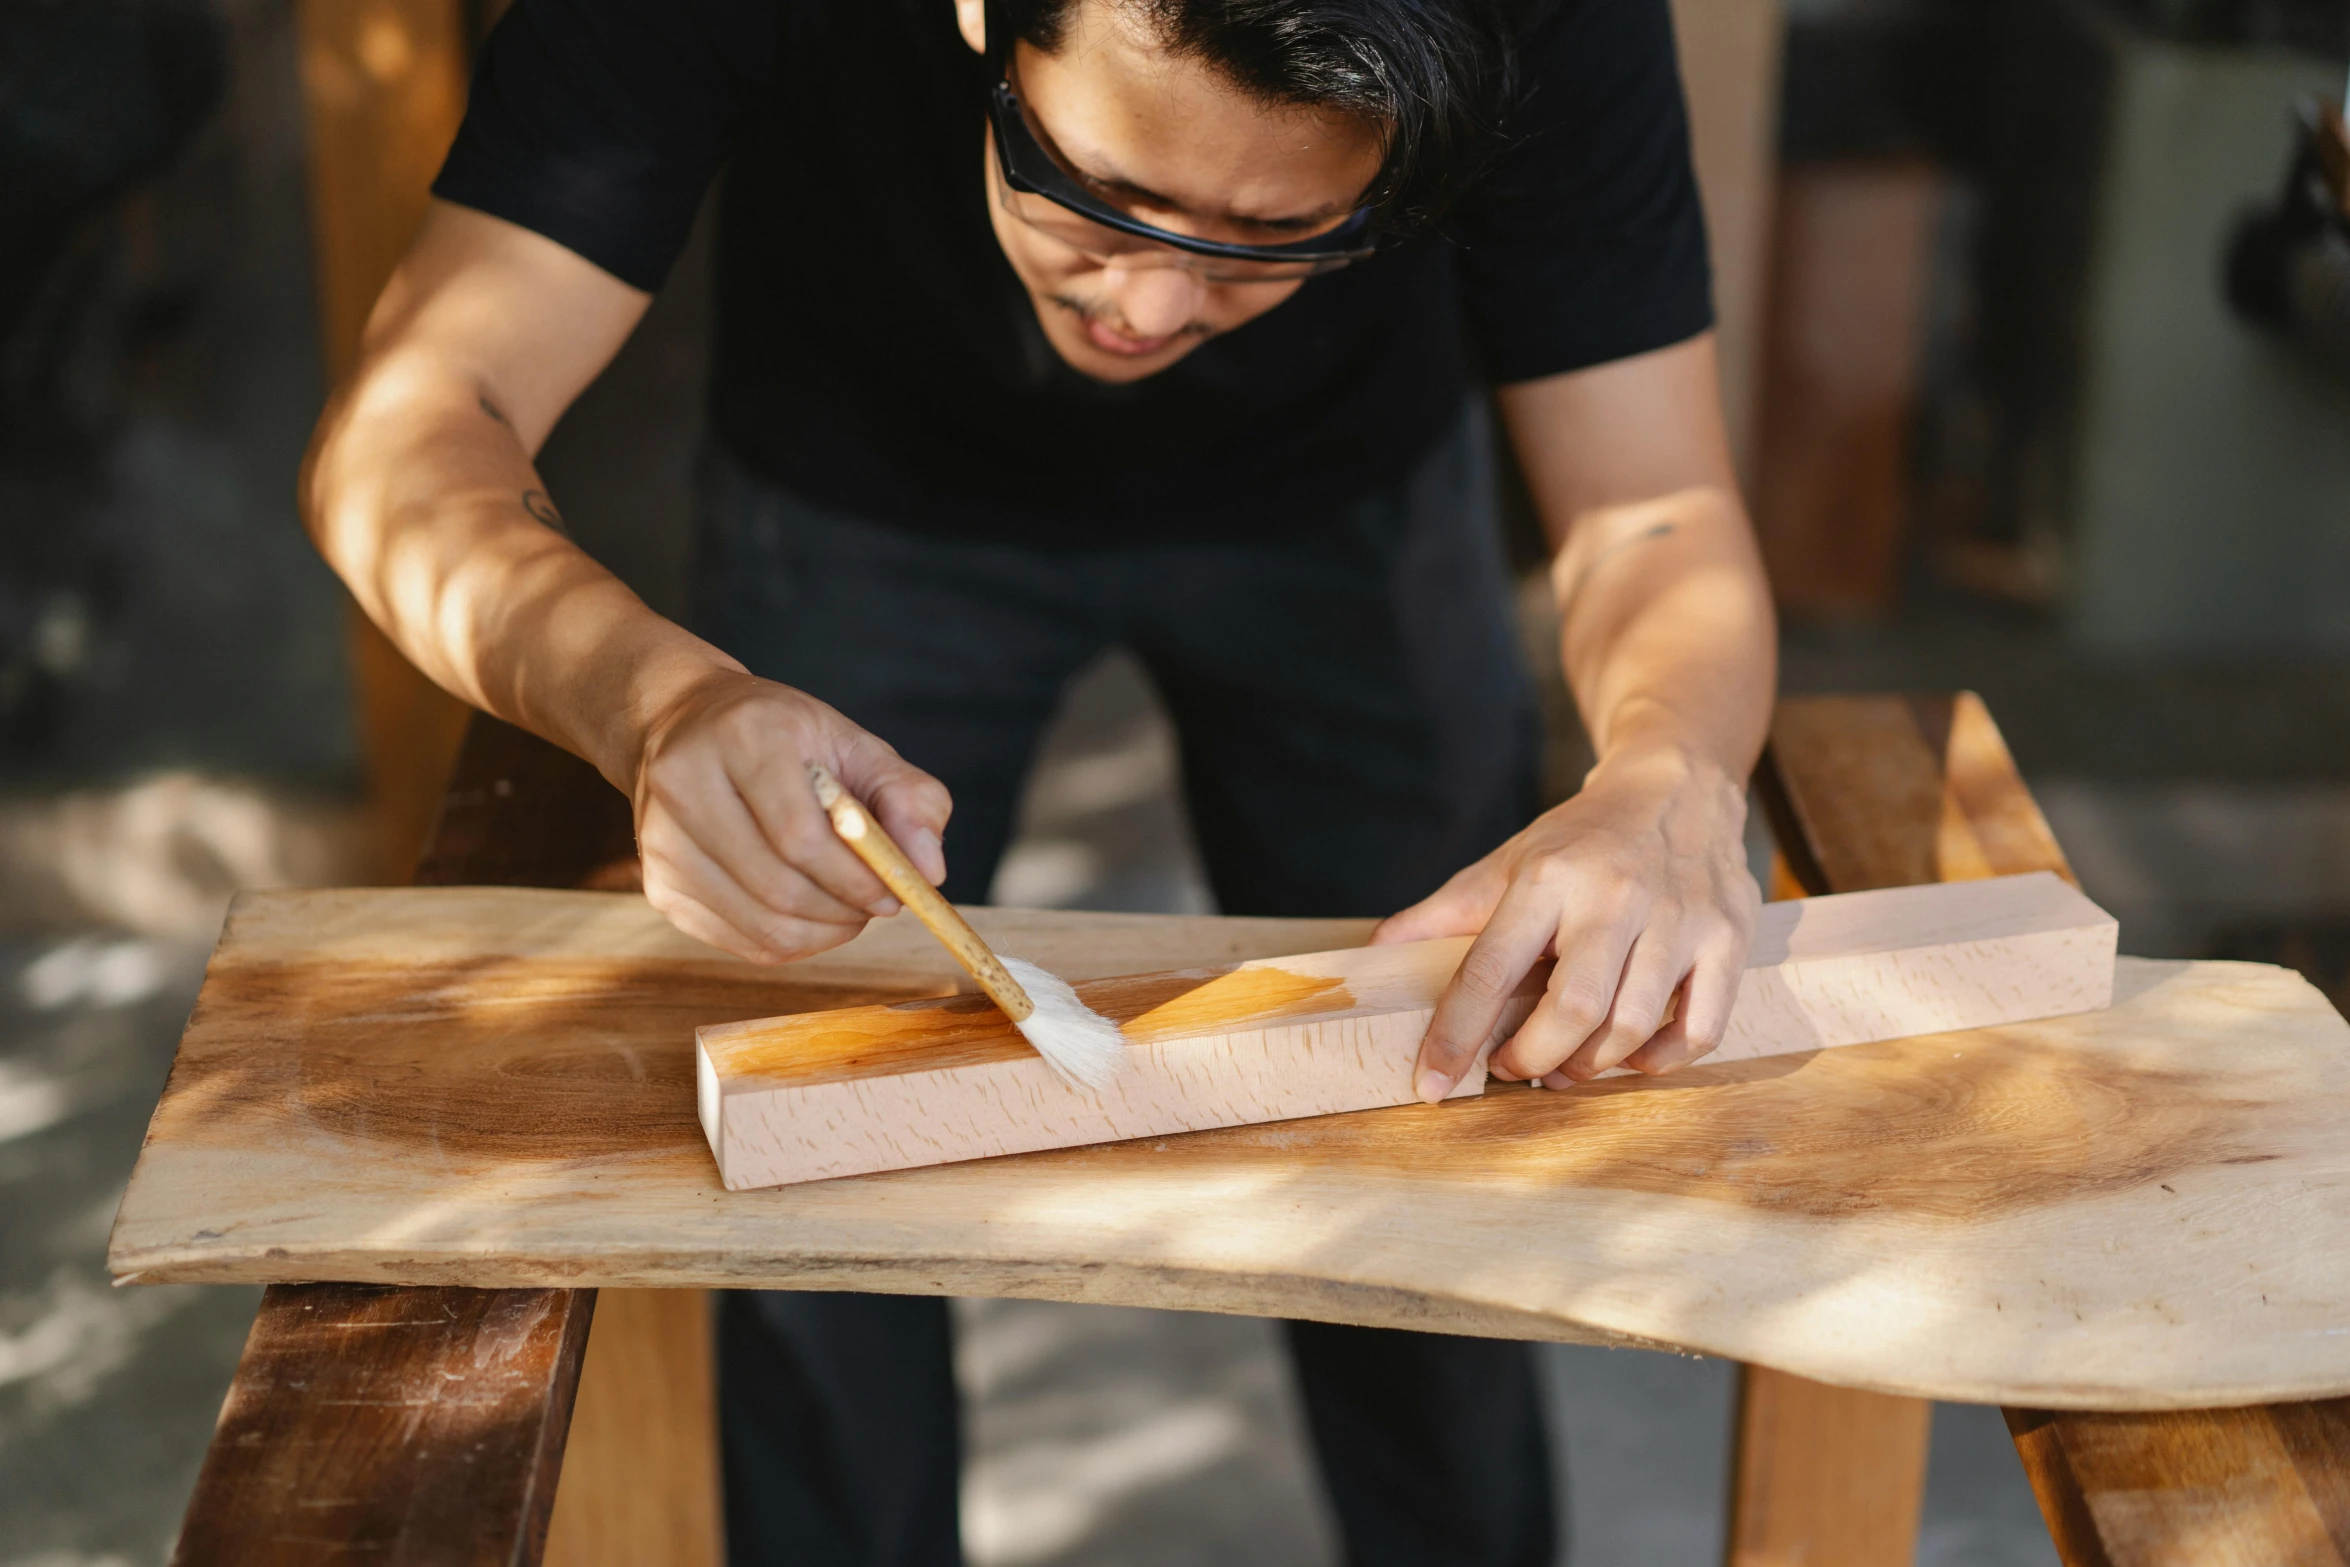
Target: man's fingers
[752,808]
[678,869]
[1667,1049]
[704,805]
[690,915]
[695,919]
[780,799]
[913,808]
[1642,1004]
[1458,908]
[1696,1030]
[1470,1008]
[1582,989]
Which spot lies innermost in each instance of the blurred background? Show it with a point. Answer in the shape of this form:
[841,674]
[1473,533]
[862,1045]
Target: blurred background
[2037,341]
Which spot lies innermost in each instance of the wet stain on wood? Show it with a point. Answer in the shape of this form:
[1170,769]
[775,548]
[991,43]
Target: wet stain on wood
[1251,995]
[964,1031]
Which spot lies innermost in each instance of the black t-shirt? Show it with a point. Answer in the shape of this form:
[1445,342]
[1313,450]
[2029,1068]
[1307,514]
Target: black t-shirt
[875,351]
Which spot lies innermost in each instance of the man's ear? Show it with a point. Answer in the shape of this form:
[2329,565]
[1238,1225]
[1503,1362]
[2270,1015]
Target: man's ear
[971,21]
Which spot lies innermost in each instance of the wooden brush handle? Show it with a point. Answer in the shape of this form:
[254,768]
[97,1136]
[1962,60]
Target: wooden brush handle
[877,849]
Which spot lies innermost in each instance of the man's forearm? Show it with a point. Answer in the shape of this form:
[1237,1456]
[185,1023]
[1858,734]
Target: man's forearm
[1666,632]
[419,492]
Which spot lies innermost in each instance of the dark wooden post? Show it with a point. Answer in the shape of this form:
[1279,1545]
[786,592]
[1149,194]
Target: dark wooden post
[397,1425]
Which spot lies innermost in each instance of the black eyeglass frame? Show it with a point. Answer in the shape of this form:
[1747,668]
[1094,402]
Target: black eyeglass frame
[1027,167]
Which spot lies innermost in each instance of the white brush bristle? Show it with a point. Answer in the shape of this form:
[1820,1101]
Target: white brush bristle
[1075,1040]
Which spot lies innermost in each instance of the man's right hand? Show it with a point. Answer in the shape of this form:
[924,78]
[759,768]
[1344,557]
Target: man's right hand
[736,850]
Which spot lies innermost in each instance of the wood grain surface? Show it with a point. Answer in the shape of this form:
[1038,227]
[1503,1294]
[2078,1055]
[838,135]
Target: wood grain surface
[493,1087]
[891,1087]
[349,1434]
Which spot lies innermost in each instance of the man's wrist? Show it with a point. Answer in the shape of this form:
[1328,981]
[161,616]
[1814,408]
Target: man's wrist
[1660,752]
[655,685]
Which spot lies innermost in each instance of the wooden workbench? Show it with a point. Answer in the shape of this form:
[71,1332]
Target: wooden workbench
[447,1429]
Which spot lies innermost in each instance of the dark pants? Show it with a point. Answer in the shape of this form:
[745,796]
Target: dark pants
[1355,726]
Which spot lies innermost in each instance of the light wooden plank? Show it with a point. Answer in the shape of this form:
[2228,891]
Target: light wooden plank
[1982,1216]
[817,1096]
[852,1092]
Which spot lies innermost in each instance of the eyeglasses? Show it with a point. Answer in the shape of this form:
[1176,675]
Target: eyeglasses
[1046,197]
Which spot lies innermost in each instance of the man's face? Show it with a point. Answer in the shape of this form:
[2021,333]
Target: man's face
[1167,140]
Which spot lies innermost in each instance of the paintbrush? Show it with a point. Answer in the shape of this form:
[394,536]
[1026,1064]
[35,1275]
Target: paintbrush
[1080,1044]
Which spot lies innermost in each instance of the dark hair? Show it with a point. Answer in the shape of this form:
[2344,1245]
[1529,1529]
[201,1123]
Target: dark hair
[1433,77]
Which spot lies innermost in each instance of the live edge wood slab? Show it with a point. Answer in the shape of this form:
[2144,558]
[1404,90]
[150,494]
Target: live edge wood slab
[813,1096]
[2140,1208]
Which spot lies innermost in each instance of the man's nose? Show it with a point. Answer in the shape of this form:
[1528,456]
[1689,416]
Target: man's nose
[1156,301]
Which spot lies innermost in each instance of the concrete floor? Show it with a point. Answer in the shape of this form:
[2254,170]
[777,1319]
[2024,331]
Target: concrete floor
[107,1396]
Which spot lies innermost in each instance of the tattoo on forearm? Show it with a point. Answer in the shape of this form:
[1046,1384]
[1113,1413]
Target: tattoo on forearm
[536,503]
[494,411]
[1655,530]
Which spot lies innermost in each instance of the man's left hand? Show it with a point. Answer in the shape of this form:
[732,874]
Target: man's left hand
[1638,886]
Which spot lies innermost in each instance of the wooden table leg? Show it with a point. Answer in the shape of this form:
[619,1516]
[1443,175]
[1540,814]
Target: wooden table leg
[1824,1476]
[2267,1486]
[402,1427]
[1867,792]
[640,1479]
[1923,788]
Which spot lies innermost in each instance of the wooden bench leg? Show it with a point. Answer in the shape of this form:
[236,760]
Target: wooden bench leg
[640,1473]
[1865,792]
[396,1427]
[2193,1487]
[1825,1476]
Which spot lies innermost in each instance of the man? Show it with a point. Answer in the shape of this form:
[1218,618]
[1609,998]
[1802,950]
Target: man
[1047,325]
